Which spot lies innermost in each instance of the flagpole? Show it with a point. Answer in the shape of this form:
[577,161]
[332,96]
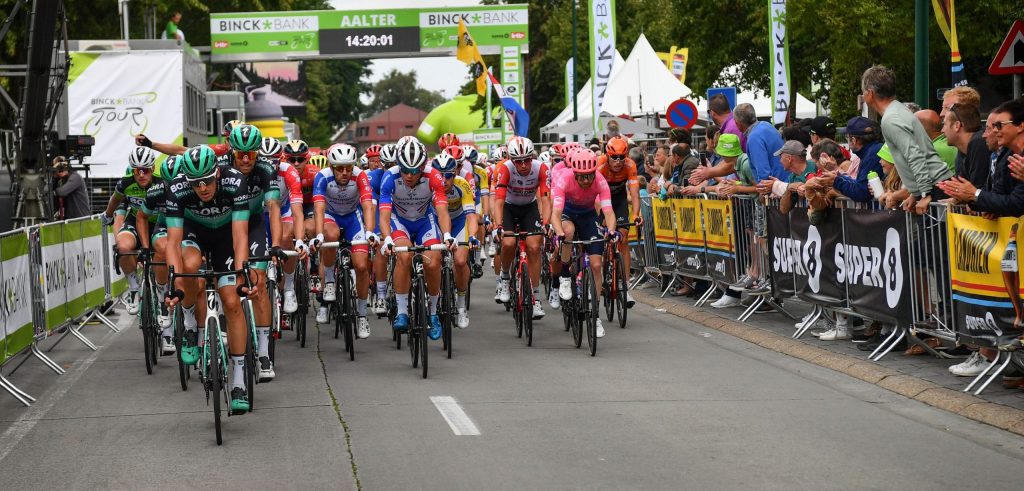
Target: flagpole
[575,114]
[487,116]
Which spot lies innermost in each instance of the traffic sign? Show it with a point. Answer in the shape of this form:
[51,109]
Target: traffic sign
[681,114]
[1009,59]
[730,95]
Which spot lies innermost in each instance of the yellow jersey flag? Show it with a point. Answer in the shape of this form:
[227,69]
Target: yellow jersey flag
[468,53]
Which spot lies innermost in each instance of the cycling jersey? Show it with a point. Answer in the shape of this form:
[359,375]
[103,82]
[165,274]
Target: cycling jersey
[376,177]
[207,225]
[155,204]
[483,182]
[618,182]
[134,197]
[460,199]
[220,149]
[514,188]
[342,200]
[306,177]
[567,194]
[261,184]
[412,203]
[288,185]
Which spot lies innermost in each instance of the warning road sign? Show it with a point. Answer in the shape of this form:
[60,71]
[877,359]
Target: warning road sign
[1009,59]
[681,114]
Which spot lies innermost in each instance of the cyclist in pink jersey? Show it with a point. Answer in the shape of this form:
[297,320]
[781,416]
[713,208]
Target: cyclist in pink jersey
[574,193]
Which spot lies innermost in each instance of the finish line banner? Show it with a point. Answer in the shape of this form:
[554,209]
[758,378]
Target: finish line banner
[282,36]
[985,272]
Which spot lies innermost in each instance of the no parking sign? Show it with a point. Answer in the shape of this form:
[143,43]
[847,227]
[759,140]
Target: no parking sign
[681,114]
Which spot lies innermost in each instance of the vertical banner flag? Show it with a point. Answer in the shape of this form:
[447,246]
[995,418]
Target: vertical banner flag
[467,52]
[602,55]
[780,60]
[945,15]
[570,82]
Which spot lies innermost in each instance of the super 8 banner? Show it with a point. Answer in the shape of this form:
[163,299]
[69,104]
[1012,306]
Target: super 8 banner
[718,235]
[690,249]
[874,263]
[985,272]
[812,249]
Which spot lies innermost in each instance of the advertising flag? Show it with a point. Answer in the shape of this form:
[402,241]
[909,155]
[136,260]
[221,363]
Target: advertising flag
[779,40]
[468,53]
[602,54]
[945,15]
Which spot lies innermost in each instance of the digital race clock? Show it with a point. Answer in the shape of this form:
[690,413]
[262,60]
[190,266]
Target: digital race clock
[374,40]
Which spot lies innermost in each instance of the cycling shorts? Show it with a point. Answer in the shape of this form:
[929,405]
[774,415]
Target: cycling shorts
[459,229]
[351,226]
[586,228]
[522,218]
[129,228]
[159,232]
[307,210]
[422,232]
[620,205]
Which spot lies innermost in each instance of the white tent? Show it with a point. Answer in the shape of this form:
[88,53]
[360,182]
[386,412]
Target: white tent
[762,102]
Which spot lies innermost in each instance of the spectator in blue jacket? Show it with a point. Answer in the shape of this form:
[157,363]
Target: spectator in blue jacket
[865,140]
[763,140]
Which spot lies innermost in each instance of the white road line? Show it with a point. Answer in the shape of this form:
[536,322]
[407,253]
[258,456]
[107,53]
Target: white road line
[457,419]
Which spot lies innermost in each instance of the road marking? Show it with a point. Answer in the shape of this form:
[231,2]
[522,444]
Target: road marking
[457,419]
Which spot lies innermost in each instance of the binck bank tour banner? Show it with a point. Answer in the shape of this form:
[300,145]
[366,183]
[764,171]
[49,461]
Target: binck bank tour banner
[718,236]
[74,259]
[54,275]
[874,263]
[664,233]
[779,51]
[690,249]
[116,95]
[15,294]
[985,272]
[92,263]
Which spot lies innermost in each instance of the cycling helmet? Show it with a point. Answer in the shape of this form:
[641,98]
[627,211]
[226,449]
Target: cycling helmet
[141,158]
[198,161]
[230,125]
[582,161]
[388,153]
[405,139]
[520,147]
[469,153]
[412,155]
[171,167]
[545,157]
[341,154]
[271,147]
[245,138]
[447,140]
[455,151]
[296,148]
[444,162]
[617,146]
[364,162]
[482,159]
[373,151]
[558,151]
[319,161]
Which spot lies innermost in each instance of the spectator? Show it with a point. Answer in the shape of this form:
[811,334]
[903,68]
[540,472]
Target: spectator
[959,95]
[961,127]
[864,138]
[730,150]
[664,177]
[912,106]
[919,166]
[612,129]
[70,188]
[933,126]
[797,133]
[710,142]
[172,31]
[638,156]
[656,165]
[684,162]
[721,114]
[822,127]
[762,143]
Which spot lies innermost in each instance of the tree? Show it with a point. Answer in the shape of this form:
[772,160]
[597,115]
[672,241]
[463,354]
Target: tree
[401,87]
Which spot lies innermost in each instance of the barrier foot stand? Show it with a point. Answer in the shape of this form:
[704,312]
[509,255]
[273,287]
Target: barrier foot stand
[73,330]
[671,283]
[995,373]
[896,337]
[998,369]
[18,394]
[750,310]
[96,314]
[46,360]
[816,314]
[706,296]
[778,306]
[641,278]
[916,340]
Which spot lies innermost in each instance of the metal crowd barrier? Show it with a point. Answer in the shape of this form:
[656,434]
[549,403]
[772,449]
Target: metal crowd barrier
[56,278]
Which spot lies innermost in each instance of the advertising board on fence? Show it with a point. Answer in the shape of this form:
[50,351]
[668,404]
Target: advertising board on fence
[985,272]
[92,262]
[811,249]
[74,257]
[690,249]
[874,264]
[15,294]
[718,235]
[664,233]
[779,251]
[54,275]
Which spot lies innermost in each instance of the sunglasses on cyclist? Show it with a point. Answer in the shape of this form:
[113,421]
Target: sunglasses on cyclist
[556,160]
[142,170]
[585,177]
[241,155]
[617,157]
[414,170]
[522,161]
[202,181]
[296,160]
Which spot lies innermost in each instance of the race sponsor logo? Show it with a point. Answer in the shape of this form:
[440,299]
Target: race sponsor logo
[221,44]
[299,23]
[118,110]
[475,18]
[983,324]
[871,266]
[800,258]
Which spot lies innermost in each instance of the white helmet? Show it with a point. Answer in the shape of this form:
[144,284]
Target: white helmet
[363,161]
[341,154]
[545,157]
[520,147]
[405,139]
[142,158]
[482,159]
[388,153]
[411,154]
[271,147]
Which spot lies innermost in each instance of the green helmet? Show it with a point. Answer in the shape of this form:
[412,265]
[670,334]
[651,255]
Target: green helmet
[245,138]
[199,161]
[171,167]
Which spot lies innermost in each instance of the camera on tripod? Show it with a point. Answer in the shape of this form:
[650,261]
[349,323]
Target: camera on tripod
[75,147]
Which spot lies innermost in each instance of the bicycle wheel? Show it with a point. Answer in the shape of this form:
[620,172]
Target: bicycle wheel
[348,316]
[250,369]
[415,326]
[423,325]
[609,291]
[147,324]
[217,373]
[179,335]
[590,308]
[515,296]
[526,305]
[275,317]
[448,310]
[621,283]
[545,273]
[577,320]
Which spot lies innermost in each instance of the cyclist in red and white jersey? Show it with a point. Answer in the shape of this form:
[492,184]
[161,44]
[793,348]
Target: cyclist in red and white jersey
[291,217]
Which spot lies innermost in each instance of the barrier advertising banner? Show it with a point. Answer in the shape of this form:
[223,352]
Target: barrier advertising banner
[92,263]
[718,234]
[690,249]
[73,266]
[116,95]
[664,233]
[16,294]
[779,247]
[874,263]
[985,273]
[118,283]
[811,249]
[54,275]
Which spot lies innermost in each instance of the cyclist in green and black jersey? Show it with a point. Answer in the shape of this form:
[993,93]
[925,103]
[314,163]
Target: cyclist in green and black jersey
[153,239]
[207,204]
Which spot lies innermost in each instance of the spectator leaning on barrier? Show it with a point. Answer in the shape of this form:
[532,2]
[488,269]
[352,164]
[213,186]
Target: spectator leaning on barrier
[718,107]
[919,166]
[863,136]
[933,126]
[962,127]
[1005,195]
[684,162]
[733,159]
[762,143]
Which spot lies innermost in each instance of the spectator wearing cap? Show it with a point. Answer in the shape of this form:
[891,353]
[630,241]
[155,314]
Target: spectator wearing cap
[792,157]
[730,164]
[961,127]
[762,143]
[933,126]
[70,188]
[733,159]
[721,114]
[919,166]
[865,141]
[822,127]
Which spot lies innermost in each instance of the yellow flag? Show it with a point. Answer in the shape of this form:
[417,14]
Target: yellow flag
[468,53]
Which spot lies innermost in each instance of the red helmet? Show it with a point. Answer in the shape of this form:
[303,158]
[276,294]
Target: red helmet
[617,147]
[447,140]
[454,150]
[558,149]
[373,151]
[582,161]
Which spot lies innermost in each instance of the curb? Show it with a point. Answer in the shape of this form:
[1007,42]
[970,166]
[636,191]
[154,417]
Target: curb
[929,393]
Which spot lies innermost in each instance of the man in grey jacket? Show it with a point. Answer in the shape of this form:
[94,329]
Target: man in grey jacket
[71,190]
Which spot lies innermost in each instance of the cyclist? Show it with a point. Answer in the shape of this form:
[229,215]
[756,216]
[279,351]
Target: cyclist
[154,241]
[460,210]
[621,174]
[446,140]
[133,188]
[176,149]
[522,186]
[319,161]
[207,204]
[261,192]
[576,190]
[482,196]
[386,159]
[296,153]
[364,163]
[292,218]
[420,205]
[373,156]
[343,203]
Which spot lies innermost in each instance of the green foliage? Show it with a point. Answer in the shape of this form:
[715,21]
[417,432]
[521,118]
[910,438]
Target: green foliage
[402,87]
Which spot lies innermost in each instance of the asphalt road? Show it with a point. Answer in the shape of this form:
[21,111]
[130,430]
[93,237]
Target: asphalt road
[664,405]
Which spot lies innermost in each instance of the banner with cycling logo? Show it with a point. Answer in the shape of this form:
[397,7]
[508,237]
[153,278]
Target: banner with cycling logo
[719,240]
[54,275]
[92,263]
[690,248]
[16,294]
[874,263]
[812,248]
[783,261]
[985,272]
[74,261]
[664,231]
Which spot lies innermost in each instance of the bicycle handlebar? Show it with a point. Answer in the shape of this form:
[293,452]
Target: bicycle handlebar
[337,244]
[421,249]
